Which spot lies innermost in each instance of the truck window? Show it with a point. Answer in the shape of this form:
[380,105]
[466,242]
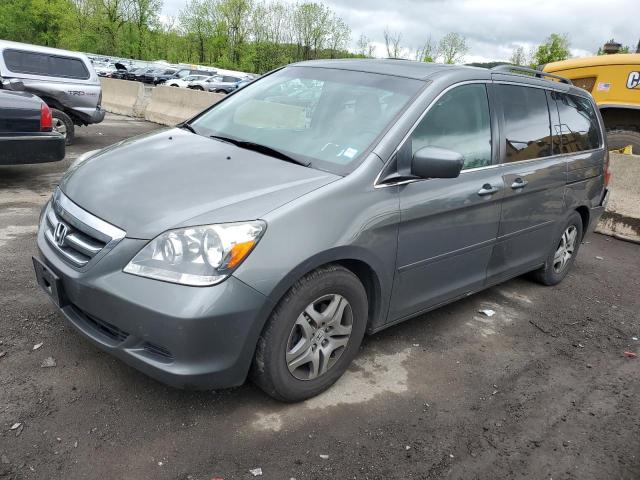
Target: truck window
[33,63]
[527,128]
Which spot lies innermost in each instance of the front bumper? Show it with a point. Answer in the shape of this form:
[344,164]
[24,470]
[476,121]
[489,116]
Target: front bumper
[186,337]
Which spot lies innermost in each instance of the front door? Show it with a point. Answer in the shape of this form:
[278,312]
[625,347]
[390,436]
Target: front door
[449,226]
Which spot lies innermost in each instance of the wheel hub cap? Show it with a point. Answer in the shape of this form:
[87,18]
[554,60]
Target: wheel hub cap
[319,337]
[565,249]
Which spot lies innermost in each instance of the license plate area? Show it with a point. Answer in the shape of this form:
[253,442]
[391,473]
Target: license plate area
[49,282]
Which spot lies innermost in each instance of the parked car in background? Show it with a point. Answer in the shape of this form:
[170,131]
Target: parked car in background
[65,80]
[217,84]
[289,230]
[26,129]
[154,76]
[243,83]
[120,73]
[141,74]
[182,73]
[132,73]
[185,81]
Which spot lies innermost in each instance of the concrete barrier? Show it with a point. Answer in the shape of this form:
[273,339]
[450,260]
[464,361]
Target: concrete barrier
[171,105]
[123,97]
[622,217]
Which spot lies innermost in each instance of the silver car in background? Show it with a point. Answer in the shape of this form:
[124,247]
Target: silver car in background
[217,84]
[65,80]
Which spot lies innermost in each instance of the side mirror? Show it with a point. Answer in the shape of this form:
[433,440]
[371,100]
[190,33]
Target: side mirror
[435,162]
[15,85]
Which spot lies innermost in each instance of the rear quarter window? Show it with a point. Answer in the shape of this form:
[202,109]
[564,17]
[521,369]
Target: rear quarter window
[579,127]
[34,63]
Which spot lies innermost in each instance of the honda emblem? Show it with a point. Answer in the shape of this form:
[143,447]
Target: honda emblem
[60,234]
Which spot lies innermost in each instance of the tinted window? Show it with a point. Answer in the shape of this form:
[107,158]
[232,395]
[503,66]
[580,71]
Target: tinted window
[579,129]
[42,64]
[230,79]
[458,121]
[527,129]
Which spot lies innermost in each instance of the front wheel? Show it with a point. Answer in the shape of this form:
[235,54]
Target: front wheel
[563,254]
[312,336]
[63,124]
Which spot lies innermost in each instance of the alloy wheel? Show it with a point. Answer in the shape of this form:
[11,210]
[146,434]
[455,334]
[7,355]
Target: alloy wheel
[60,127]
[319,337]
[565,249]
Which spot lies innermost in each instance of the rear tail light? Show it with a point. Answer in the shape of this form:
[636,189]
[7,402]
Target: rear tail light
[46,120]
[607,169]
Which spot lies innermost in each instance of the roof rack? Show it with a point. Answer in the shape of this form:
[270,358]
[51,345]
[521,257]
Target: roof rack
[531,71]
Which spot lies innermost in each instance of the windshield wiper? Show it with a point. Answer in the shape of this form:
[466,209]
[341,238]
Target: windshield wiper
[187,126]
[257,147]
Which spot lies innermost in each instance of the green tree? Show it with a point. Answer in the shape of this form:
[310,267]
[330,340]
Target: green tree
[428,52]
[555,49]
[453,47]
[518,57]
[144,14]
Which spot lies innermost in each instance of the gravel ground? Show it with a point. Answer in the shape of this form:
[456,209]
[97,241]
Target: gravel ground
[540,390]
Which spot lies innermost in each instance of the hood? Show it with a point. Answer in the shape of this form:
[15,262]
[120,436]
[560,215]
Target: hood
[173,178]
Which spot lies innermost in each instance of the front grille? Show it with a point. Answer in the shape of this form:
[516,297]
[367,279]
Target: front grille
[75,234]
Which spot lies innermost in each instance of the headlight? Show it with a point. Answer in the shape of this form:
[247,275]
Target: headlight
[197,256]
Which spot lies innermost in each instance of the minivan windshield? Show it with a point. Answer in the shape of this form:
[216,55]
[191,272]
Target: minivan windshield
[321,117]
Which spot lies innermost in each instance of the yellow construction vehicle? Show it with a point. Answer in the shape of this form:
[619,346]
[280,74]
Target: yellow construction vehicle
[614,82]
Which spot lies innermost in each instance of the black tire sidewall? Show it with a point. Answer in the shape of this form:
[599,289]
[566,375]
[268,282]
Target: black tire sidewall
[281,383]
[55,113]
[617,139]
[550,276]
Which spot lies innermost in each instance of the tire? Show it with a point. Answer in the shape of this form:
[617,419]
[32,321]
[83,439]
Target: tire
[223,92]
[619,138]
[63,124]
[554,269]
[284,340]
[198,88]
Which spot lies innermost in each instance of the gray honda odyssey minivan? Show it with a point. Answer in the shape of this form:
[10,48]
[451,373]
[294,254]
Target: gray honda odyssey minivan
[326,200]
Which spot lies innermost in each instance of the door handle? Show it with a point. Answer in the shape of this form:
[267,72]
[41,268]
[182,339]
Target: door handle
[519,183]
[487,189]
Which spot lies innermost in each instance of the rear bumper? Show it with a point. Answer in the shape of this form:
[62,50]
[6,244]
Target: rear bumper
[596,212]
[90,116]
[23,149]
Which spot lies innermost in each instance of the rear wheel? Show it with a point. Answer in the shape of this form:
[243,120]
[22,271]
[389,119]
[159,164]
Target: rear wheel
[63,124]
[223,92]
[563,254]
[619,138]
[312,336]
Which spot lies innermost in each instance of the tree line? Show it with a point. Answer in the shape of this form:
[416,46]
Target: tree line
[248,35]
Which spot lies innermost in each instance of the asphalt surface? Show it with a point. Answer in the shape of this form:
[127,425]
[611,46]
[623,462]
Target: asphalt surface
[541,390]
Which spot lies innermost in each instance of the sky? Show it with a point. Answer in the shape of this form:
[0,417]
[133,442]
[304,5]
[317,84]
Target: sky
[493,28]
